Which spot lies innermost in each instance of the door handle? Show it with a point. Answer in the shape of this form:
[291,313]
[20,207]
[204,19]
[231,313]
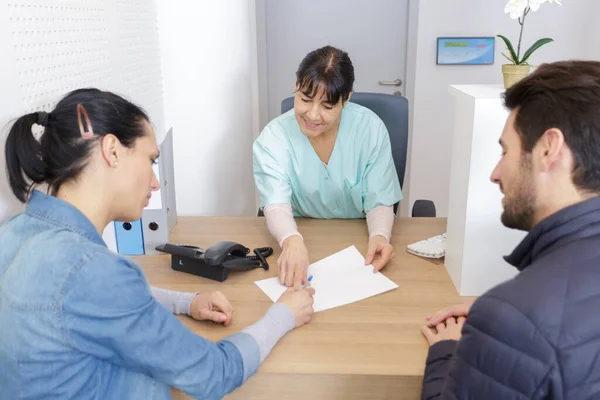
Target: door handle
[397,82]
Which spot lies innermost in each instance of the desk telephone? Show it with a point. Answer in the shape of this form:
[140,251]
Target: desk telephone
[216,261]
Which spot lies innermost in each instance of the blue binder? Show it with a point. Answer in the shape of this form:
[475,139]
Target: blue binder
[130,238]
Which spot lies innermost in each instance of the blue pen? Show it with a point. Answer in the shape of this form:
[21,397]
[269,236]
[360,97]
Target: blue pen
[309,279]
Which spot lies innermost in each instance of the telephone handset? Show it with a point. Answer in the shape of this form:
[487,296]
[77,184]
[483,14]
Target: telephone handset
[216,261]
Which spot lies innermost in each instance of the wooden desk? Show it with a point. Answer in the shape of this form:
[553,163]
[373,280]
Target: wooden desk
[372,349]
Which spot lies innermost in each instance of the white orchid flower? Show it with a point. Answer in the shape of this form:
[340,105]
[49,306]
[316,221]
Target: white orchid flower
[534,5]
[516,8]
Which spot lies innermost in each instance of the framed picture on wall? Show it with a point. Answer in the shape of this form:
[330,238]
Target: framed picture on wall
[465,50]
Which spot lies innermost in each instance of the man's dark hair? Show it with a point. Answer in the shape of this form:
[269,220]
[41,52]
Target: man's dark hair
[563,95]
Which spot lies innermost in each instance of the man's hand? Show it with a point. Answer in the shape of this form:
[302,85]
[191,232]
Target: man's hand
[379,252]
[457,310]
[293,262]
[212,306]
[450,330]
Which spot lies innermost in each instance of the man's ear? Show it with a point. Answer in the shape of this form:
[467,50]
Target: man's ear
[110,147]
[550,148]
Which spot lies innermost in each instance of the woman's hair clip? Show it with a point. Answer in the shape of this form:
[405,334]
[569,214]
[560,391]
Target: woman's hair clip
[89,133]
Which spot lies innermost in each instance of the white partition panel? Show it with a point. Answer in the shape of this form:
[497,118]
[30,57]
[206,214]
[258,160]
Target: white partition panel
[50,47]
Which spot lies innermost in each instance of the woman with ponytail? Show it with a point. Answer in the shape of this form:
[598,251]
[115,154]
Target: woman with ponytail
[79,321]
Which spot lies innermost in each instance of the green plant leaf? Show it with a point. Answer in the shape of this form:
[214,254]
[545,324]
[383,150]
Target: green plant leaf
[534,47]
[510,48]
[508,58]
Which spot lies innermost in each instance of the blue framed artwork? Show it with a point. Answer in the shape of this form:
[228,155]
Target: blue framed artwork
[465,50]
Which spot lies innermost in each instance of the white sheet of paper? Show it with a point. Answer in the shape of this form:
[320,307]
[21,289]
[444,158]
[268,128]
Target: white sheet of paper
[342,278]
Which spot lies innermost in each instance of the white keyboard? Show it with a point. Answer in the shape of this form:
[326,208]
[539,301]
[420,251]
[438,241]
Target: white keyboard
[434,247]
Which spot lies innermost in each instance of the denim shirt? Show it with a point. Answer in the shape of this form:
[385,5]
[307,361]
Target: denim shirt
[79,321]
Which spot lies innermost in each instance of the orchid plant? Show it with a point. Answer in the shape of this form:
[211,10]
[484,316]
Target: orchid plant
[518,9]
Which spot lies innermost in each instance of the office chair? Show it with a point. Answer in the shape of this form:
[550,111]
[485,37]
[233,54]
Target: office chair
[393,111]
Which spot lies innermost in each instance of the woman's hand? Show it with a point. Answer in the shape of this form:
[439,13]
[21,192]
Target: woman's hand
[301,304]
[212,306]
[379,252]
[293,262]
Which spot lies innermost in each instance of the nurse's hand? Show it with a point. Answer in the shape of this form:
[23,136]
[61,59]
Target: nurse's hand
[293,262]
[379,252]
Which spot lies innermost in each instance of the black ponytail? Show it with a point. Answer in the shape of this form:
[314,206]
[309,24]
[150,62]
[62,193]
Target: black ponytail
[62,153]
[24,159]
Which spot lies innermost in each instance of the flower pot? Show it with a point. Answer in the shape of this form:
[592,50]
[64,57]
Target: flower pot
[514,73]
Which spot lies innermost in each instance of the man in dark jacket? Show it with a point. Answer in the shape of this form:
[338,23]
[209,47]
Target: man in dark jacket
[536,336]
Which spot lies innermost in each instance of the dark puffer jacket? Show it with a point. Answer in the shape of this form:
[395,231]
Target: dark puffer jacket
[536,336]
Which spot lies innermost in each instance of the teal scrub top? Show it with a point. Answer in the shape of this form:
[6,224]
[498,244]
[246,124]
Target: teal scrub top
[360,174]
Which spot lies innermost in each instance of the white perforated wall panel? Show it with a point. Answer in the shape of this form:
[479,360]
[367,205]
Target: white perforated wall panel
[139,56]
[50,47]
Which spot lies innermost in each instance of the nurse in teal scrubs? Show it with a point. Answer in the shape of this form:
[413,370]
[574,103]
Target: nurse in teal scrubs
[325,158]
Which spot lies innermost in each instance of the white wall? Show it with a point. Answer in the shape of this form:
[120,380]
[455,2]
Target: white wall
[572,26]
[210,76]
[410,92]
[262,63]
[591,33]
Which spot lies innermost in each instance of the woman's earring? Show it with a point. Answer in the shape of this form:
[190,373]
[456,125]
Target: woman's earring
[115,164]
